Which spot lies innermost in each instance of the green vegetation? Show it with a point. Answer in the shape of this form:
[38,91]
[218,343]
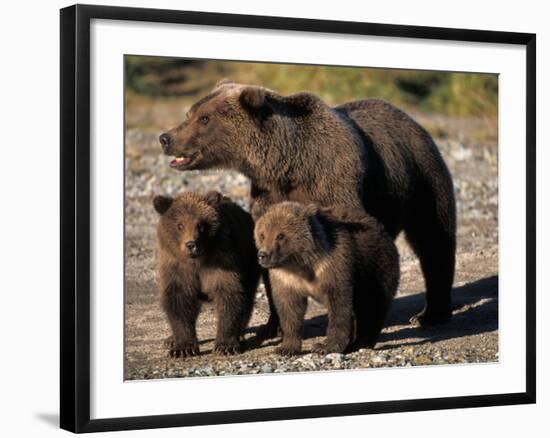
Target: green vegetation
[447,93]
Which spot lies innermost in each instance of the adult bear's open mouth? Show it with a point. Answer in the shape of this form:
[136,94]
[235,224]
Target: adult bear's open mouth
[182,161]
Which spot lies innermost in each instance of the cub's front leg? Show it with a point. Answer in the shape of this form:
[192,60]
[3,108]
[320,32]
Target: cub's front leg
[291,307]
[341,321]
[230,307]
[181,306]
[233,305]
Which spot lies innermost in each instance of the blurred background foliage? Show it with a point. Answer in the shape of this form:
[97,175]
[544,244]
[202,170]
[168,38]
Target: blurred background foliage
[445,93]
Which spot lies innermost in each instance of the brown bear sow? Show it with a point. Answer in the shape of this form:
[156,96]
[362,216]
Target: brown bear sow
[365,153]
[342,259]
[206,251]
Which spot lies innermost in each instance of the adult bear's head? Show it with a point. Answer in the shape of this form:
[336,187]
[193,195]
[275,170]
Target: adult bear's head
[235,126]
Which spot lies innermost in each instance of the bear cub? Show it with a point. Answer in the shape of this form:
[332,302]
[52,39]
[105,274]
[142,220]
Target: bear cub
[206,251]
[342,258]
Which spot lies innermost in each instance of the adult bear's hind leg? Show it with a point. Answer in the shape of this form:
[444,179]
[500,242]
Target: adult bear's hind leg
[431,231]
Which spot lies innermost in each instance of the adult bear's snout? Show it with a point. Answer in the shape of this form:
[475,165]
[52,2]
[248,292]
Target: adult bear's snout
[166,142]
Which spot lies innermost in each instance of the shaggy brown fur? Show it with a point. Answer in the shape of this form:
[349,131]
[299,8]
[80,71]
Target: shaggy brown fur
[341,258]
[360,154]
[205,252]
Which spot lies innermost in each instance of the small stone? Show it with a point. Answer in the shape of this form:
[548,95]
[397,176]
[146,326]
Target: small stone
[461,153]
[267,368]
[423,360]
[334,357]
[208,370]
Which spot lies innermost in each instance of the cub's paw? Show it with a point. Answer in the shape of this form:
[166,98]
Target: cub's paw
[227,348]
[324,348]
[183,349]
[287,351]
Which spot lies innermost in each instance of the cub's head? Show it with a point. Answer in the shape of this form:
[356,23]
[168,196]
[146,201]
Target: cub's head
[188,223]
[216,127]
[286,233]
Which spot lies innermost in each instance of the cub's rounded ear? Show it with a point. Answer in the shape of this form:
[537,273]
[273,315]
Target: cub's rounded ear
[162,203]
[223,81]
[257,210]
[215,198]
[252,98]
[311,210]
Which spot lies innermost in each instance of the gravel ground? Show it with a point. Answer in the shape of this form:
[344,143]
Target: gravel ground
[471,336]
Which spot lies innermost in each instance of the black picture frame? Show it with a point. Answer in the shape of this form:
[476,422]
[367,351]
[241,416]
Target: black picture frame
[75,217]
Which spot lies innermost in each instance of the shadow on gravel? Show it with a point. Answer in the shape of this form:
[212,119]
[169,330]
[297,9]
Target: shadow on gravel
[475,311]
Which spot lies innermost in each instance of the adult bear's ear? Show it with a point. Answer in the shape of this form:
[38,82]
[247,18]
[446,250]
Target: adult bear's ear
[162,203]
[301,104]
[223,81]
[215,198]
[252,98]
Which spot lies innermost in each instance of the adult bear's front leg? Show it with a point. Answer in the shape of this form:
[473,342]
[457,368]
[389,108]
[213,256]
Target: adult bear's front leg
[261,200]
[272,328]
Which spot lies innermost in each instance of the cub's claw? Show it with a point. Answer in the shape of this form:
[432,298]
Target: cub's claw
[287,351]
[319,348]
[183,350]
[228,349]
[323,348]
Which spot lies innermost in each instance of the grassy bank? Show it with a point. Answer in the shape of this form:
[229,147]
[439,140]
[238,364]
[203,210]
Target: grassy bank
[449,94]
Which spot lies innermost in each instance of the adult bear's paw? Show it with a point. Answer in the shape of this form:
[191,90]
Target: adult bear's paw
[428,317]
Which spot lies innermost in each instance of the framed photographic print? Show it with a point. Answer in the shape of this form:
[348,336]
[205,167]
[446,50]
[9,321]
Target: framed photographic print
[287,218]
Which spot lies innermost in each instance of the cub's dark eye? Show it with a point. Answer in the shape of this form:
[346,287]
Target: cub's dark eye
[180,227]
[280,236]
[204,120]
[201,228]
[262,237]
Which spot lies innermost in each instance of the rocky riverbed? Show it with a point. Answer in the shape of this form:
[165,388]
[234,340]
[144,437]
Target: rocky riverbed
[470,150]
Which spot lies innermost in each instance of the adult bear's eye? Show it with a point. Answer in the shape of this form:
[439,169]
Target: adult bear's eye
[180,227]
[202,228]
[280,236]
[204,120]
